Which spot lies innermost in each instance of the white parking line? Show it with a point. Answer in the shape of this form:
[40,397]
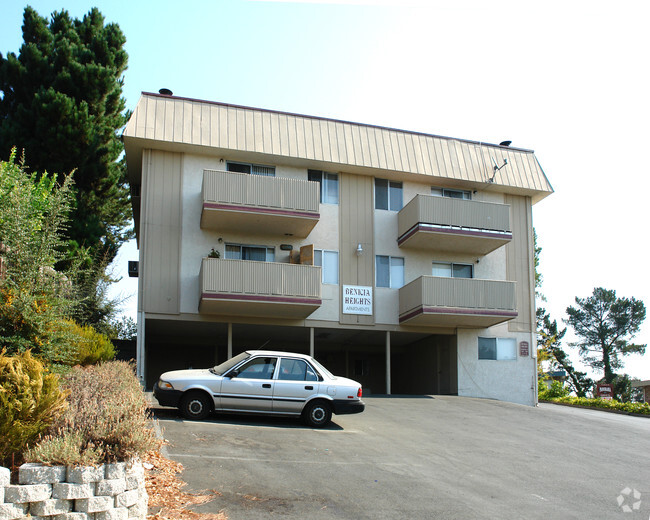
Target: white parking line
[252,459]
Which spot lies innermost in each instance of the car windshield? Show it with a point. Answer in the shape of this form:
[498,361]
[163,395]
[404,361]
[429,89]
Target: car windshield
[227,365]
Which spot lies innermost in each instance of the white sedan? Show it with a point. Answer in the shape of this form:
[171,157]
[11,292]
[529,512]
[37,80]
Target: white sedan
[261,382]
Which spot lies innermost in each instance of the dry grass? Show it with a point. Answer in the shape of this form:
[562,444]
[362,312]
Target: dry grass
[166,496]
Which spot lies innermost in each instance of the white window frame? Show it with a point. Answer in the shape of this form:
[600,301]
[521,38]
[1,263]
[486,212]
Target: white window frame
[505,349]
[326,272]
[325,180]
[255,169]
[393,263]
[391,185]
[451,268]
[269,256]
[447,192]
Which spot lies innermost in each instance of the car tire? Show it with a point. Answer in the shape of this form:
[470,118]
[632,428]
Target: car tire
[317,414]
[195,406]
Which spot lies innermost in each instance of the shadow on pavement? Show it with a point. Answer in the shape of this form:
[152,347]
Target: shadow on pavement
[242,420]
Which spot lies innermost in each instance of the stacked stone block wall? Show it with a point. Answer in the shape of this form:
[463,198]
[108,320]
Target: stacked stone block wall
[108,492]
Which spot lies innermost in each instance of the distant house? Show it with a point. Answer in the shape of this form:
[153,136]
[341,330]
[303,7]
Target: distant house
[645,385]
[400,259]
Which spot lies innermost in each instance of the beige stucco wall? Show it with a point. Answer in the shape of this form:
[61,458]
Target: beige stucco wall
[506,380]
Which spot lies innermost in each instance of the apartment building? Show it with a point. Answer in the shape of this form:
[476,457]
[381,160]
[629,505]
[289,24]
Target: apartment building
[399,259]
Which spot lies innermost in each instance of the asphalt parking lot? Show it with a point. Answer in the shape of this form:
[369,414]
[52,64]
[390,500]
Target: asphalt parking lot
[420,457]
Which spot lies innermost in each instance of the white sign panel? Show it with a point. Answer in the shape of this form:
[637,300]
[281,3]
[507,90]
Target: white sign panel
[357,299]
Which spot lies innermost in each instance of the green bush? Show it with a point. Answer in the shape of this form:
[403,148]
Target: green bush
[88,346]
[30,401]
[107,419]
[557,389]
[640,408]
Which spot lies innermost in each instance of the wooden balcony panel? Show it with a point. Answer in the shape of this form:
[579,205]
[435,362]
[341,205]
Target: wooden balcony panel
[453,225]
[256,204]
[260,289]
[456,302]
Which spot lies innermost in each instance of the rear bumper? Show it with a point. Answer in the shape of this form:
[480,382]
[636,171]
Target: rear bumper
[342,407]
[167,397]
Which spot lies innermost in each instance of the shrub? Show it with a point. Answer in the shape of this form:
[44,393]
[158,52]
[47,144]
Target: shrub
[87,346]
[106,421]
[557,389]
[640,408]
[30,401]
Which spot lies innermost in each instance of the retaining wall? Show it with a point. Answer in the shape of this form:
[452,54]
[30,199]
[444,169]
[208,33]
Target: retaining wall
[108,492]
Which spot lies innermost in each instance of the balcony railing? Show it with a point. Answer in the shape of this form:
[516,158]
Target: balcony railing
[456,302]
[453,225]
[257,204]
[261,289]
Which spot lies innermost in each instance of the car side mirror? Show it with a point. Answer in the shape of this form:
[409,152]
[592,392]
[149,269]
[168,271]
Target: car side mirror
[233,373]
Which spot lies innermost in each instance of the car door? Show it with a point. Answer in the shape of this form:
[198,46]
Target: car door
[296,381]
[250,386]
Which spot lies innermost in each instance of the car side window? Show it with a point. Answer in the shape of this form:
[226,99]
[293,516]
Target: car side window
[296,370]
[258,368]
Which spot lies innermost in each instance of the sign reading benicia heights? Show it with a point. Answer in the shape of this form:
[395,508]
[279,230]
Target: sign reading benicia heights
[357,299]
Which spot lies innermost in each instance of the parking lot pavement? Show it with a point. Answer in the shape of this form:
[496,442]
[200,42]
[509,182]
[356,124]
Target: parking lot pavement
[420,457]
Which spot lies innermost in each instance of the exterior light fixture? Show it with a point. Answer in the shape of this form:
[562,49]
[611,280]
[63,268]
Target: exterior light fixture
[359,249]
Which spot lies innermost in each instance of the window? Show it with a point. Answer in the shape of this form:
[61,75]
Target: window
[296,370]
[388,195]
[329,185]
[329,261]
[454,194]
[500,349]
[259,253]
[258,368]
[253,169]
[390,271]
[450,270]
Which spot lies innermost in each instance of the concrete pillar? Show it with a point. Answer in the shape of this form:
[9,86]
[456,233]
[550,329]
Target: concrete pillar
[311,341]
[388,362]
[229,340]
[140,352]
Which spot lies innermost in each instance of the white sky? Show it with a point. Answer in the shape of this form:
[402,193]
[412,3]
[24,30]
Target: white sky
[568,79]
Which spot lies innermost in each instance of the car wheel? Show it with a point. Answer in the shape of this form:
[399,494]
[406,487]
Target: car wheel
[195,405]
[317,414]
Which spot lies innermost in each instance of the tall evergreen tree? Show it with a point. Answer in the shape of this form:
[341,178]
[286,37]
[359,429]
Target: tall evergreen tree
[61,101]
[605,326]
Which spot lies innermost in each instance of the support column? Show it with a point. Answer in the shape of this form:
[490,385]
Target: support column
[140,352]
[311,341]
[229,340]
[388,362]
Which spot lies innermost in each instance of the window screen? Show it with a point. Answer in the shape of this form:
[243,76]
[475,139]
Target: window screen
[500,349]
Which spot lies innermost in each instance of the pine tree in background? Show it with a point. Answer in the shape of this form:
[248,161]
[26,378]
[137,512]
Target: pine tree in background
[61,102]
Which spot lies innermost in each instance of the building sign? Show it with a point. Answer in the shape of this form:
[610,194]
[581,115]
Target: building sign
[357,299]
[605,391]
[523,349]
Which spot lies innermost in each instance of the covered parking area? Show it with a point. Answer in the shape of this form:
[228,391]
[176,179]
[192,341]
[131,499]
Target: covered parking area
[384,362]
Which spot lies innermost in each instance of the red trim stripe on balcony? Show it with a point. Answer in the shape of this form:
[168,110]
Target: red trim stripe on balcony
[455,311]
[256,209]
[261,298]
[433,228]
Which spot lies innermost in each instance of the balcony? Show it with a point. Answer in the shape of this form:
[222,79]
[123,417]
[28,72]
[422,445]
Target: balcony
[432,301]
[260,289]
[453,225]
[255,204]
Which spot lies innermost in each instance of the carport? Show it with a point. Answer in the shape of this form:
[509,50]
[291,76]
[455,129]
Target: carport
[384,362]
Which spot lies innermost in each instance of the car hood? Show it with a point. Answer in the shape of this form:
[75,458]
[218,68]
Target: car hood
[184,375]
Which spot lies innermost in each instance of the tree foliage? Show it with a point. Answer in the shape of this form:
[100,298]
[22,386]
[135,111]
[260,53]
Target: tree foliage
[37,302]
[549,341]
[61,102]
[605,326]
[33,296]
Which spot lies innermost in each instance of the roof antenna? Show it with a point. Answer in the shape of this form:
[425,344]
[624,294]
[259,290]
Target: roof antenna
[496,168]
